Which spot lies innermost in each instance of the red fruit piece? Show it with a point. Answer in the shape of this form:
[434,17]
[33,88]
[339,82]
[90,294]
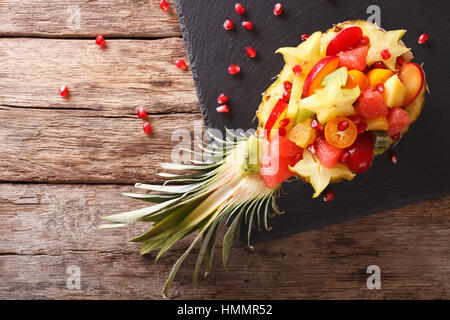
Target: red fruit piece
[164,5]
[278,9]
[365,41]
[329,196]
[63,90]
[348,38]
[250,51]
[228,24]
[247,25]
[354,59]
[100,41]
[297,69]
[397,120]
[423,38]
[285,122]
[360,154]
[147,128]
[305,36]
[286,96]
[371,104]
[328,155]
[239,9]
[393,157]
[234,69]
[142,113]
[223,109]
[222,98]
[385,54]
[287,85]
[181,64]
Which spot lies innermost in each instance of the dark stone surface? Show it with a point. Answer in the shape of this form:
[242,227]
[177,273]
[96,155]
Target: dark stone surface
[424,156]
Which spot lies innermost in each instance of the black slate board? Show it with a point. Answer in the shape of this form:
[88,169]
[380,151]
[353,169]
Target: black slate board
[424,155]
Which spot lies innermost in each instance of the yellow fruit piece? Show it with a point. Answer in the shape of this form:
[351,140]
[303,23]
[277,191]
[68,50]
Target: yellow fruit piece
[302,134]
[378,75]
[310,169]
[415,107]
[357,78]
[394,92]
[377,123]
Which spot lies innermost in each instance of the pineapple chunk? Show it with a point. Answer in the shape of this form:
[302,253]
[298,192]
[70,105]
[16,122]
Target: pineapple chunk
[394,92]
[302,134]
[377,123]
[310,169]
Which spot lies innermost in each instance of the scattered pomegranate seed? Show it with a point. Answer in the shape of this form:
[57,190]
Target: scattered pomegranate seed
[361,127]
[297,158]
[285,122]
[344,157]
[234,69]
[223,109]
[278,9]
[250,51]
[311,148]
[63,90]
[142,113]
[239,9]
[329,196]
[228,24]
[297,69]
[316,125]
[164,5]
[396,137]
[287,85]
[380,87]
[147,128]
[393,157]
[365,40]
[385,54]
[282,131]
[286,96]
[222,99]
[181,64]
[100,41]
[343,125]
[423,38]
[247,25]
[305,36]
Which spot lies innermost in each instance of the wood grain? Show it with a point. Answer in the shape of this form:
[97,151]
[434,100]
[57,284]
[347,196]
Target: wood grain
[116,79]
[46,228]
[85,18]
[85,146]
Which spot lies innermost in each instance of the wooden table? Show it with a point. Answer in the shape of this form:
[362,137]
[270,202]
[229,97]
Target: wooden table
[65,161]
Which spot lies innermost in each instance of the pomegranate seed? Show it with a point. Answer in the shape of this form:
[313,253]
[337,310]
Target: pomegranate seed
[223,109]
[282,132]
[343,125]
[344,157]
[63,90]
[286,96]
[361,127]
[297,158]
[423,38]
[305,36]
[234,69]
[142,113]
[316,125]
[222,99]
[287,85]
[285,122]
[311,148]
[393,157]
[164,5]
[278,9]
[385,54]
[400,60]
[396,137]
[100,41]
[228,24]
[247,25]
[250,51]
[380,87]
[147,128]
[297,69]
[180,64]
[356,119]
[329,196]
[239,9]
[365,40]
[379,65]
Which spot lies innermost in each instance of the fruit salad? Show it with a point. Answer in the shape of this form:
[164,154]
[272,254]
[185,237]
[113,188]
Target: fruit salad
[343,97]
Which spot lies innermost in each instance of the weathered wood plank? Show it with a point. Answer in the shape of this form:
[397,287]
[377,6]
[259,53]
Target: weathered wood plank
[46,228]
[84,146]
[116,79]
[65,18]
